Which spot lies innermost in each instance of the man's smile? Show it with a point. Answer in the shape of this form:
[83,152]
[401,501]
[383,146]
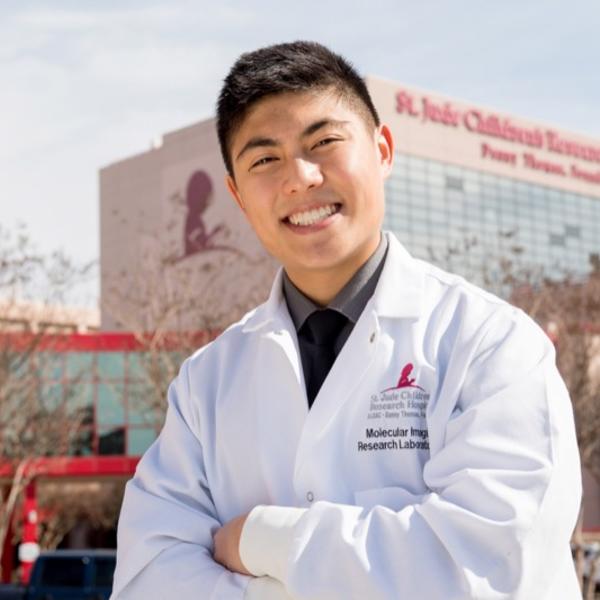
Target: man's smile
[305,218]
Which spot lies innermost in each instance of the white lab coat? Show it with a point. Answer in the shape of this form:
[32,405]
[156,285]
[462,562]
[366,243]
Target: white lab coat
[462,482]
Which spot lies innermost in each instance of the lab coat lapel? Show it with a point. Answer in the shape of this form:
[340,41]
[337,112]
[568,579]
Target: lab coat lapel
[281,405]
[348,370]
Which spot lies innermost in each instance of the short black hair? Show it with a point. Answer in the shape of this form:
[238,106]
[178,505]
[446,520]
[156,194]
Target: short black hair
[291,67]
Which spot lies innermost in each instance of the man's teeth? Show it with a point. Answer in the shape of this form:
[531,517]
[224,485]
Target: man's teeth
[310,217]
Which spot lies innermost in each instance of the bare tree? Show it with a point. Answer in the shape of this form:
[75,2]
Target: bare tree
[31,425]
[174,303]
[63,505]
[569,310]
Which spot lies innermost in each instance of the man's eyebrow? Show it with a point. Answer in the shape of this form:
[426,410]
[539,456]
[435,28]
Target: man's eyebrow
[314,127]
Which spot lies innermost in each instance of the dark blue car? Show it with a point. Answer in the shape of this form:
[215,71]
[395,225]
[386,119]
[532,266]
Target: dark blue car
[68,575]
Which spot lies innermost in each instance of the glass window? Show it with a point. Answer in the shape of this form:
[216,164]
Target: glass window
[418,227]
[418,211]
[472,186]
[79,396]
[139,439]
[455,203]
[436,179]
[82,442]
[419,199]
[433,166]
[553,194]
[418,175]
[111,365]
[573,231]
[546,224]
[111,440]
[506,185]
[52,365]
[436,192]
[144,404]
[52,396]
[110,409]
[80,365]
[522,188]
[417,188]
[18,363]
[437,205]
[138,365]
[454,183]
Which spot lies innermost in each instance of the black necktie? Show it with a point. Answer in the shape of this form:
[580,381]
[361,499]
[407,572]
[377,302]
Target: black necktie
[317,347]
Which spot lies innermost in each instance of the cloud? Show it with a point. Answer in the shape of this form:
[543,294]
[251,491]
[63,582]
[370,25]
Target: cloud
[84,84]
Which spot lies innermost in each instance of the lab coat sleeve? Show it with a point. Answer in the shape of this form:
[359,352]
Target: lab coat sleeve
[504,492]
[164,545]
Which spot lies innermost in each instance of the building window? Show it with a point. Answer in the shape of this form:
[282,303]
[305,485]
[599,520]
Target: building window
[111,441]
[139,439]
[80,365]
[110,410]
[454,183]
[111,365]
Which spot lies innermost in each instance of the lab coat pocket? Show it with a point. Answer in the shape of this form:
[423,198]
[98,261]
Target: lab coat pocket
[394,498]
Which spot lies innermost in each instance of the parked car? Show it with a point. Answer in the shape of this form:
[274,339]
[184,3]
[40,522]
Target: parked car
[67,575]
[591,553]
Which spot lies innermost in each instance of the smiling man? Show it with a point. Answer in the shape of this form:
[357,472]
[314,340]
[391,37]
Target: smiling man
[378,429]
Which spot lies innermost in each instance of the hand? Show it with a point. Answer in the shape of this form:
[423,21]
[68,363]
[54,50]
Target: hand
[227,545]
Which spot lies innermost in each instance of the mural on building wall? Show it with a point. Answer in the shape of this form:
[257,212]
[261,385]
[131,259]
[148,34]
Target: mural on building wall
[198,197]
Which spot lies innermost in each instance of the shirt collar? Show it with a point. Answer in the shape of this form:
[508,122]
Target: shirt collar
[350,300]
[398,294]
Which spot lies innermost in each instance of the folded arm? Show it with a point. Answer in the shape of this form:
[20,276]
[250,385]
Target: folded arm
[167,522]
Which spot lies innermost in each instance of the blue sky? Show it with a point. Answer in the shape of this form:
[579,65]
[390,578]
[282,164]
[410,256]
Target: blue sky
[84,83]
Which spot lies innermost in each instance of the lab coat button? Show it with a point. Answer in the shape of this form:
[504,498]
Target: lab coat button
[310,496]
[372,338]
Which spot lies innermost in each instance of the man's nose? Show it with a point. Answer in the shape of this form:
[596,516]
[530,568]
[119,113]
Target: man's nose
[302,175]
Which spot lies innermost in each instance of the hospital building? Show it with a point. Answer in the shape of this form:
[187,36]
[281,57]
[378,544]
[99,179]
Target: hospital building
[471,185]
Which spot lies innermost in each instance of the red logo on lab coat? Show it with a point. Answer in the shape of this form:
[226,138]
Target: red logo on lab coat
[405,380]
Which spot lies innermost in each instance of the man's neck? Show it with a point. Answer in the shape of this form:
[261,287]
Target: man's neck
[323,286]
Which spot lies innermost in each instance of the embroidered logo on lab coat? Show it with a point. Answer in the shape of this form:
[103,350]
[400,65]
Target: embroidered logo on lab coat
[397,417]
[405,381]
[406,399]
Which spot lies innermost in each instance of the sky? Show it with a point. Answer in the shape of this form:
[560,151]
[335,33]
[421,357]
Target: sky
[84,83]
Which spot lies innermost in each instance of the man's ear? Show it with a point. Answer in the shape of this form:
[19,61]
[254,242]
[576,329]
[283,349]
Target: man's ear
[235,194]
[385,145]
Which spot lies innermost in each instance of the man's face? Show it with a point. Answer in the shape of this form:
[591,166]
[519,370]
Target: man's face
[309,175]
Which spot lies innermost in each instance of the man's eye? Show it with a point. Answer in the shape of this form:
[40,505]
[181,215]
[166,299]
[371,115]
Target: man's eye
[325,142]
[262,161]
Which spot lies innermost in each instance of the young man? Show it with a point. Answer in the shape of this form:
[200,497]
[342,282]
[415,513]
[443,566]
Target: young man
[411,440]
